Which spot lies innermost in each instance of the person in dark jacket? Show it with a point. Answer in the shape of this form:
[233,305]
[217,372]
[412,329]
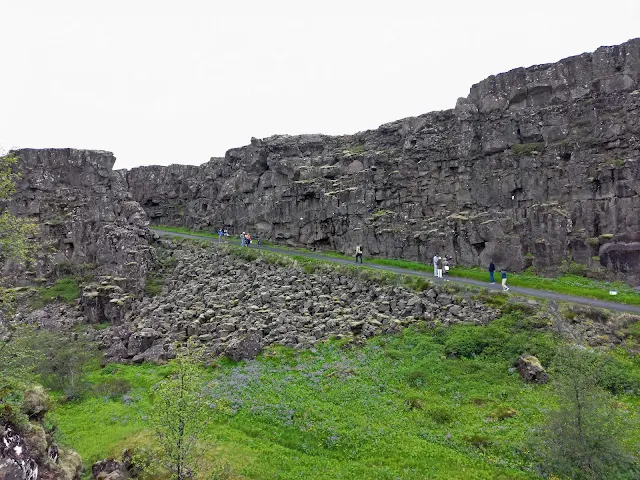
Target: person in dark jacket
[492,269]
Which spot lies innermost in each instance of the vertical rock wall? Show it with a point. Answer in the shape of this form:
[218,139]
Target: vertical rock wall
[536,165]
[85,213]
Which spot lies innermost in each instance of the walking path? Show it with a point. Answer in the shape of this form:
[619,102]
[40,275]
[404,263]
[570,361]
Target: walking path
[592,302]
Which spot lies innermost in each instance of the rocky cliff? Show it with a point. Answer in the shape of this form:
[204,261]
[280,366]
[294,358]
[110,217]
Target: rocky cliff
[536,165]
[85,213]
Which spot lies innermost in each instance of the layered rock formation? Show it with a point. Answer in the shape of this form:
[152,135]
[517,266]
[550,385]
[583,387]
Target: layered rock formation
[85,213]
[536,165]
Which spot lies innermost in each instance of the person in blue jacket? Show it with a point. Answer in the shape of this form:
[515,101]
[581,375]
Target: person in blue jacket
[504,280]
[492,269]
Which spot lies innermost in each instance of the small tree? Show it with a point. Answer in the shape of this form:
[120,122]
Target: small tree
[583,437]
[16,234]
[180,415]
[16,244]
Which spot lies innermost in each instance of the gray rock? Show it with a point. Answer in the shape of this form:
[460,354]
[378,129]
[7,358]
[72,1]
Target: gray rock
[531,370]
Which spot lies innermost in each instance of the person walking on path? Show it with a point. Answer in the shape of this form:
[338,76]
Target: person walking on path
[242,239]
[439,267]
[504,280]
[435,265]
[358,253]
[492,269]
[220,233]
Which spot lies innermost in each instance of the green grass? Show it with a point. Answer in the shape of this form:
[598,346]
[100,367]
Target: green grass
[401,407]
[66,290]
[199,233]
[153,285]
[565,284]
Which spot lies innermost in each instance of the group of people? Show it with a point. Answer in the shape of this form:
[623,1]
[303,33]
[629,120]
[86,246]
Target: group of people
[222,232]
[440,265]
[245,239]
[503,272]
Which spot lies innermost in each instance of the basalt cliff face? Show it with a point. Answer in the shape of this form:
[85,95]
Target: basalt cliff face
[537,165]
[85,214]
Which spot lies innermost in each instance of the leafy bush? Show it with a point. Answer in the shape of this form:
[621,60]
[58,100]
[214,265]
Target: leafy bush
[417,378]
[11,401]
[502,413]
[153,285]
[112,388]
[481,442]
[440,415]
[582,438]
[617,377]
[414,403]
[471,341]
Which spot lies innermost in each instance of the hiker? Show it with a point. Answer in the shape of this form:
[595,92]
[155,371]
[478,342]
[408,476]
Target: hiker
[435,265]
[242,239]
[248,239]
[439,267]
[259,242]
[492,269]
[358,253]
[220,233]
[504,280]
[445,264]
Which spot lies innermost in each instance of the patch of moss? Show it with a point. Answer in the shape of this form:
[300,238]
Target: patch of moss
[523,149]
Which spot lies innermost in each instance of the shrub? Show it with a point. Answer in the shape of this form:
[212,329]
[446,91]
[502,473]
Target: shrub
[570,267]
[417,378]
[112,388]
[481,442]
[618,378]
[470,342]
[584,437]
[414,403]
[503,412]
[440,415]
[153,285]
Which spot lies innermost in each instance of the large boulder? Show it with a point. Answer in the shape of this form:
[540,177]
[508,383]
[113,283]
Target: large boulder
[36,402]
[531,370]
[245,347]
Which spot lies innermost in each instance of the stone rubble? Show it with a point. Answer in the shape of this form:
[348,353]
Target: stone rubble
[236,308]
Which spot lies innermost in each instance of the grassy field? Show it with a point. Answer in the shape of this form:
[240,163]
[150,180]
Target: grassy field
[565,284]
[401,407]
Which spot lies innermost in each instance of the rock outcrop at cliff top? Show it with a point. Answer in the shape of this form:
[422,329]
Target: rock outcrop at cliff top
[85,213]
[536,165]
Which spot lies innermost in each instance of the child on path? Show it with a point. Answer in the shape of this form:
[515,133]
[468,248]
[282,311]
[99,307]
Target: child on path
[358,253]
[504,280]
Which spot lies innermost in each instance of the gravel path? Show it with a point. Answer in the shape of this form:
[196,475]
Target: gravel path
[592,302]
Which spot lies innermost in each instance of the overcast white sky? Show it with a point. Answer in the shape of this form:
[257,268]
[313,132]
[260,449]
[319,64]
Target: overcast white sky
[160,82]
